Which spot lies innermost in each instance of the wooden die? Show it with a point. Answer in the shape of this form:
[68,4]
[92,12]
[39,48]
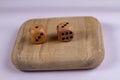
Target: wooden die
[65,31]
[37,34]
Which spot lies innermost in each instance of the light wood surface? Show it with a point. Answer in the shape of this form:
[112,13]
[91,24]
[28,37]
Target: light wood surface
[85,51]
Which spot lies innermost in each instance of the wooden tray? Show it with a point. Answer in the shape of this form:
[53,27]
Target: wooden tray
[85,51]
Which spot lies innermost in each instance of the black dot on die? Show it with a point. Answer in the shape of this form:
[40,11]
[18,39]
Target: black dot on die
[66,33]
[39,37]
[67,23]
[63,38]
[62,34]
[62,26]
[70,32]
[36,26]
[41,34]
[37,40]
[71,37]
[67,37]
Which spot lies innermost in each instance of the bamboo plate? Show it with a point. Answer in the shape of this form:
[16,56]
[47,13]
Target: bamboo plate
[85,51]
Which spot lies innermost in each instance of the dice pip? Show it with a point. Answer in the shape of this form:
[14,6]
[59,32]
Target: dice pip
[37,33]
[65,31]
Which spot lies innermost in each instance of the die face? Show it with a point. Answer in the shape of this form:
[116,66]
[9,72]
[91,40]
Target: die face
[39,37]
[65,31]
[63,25]
[35,28]
[66,35]
[37,34]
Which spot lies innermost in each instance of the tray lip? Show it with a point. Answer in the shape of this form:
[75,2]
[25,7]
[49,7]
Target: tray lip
[103,54]
[61,17]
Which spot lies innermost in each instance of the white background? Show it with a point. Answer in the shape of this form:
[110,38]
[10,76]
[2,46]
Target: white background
[14,12]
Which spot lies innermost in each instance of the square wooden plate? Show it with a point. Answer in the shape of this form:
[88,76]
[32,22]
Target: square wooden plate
[85,51]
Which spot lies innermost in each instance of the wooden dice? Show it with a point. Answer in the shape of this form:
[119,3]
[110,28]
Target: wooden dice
[37,34]
[65,31]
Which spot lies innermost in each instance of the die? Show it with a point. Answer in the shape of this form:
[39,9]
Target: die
[37,34]
[65,31]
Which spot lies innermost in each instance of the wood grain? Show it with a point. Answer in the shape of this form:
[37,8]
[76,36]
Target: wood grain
[85,51]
